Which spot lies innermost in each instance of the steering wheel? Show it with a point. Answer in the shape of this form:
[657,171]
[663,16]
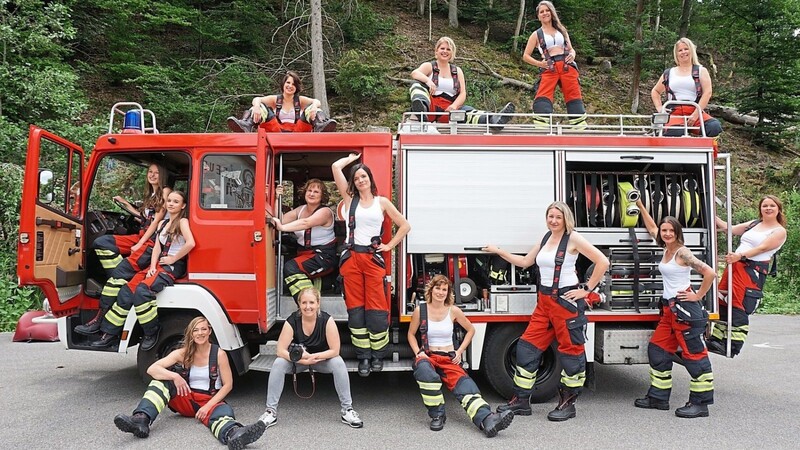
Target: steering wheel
[120,205]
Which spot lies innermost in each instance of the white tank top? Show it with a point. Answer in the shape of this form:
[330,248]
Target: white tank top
[556,40]
[440,334]
[286,116]
[369,222]
[682,87]
[445,86]
[175,246]
[320,235]
[546,260]
[198,378]
[753,238]
[674,276]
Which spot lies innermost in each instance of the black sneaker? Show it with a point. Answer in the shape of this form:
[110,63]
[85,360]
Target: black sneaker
[520,406]
[138,424]
[437,423]
[691,411]
[375,364]
[363,367]
[651,403]
[496,422]
[240,436]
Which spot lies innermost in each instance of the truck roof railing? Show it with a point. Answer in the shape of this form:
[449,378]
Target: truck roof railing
[133,119]
[556,124]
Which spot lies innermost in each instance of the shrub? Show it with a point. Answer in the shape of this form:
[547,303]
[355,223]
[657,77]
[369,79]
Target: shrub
[358,80]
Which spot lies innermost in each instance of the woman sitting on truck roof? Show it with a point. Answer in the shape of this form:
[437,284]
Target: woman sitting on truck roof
[312,223]
[288,111]
[193,381]
[682,323]
[167,263]
[559,312]
[557,68]
[361,263]
[441,87]
[687,81]
[439,361]
[111,248]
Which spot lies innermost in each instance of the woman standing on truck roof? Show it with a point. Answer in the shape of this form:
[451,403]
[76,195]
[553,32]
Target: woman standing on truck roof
[559,312]
[682,323]
[440,87]
[167,263]
[193,381]
[687,81]
[761,240]
[438,360]
[312,224]
[288,111]
[557,67]
[111,248]
[361,263]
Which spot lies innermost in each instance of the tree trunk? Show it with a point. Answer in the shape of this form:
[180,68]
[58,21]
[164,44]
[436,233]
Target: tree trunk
[518,28]
[686,14]
[452,13]
[318,55]
[488,25]
[657,19]
[637,60]
[731,115]
[421,7]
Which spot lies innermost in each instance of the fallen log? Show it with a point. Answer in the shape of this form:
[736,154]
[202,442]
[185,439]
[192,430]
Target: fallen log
[731,115]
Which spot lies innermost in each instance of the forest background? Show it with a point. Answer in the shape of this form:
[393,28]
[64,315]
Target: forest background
[64,63]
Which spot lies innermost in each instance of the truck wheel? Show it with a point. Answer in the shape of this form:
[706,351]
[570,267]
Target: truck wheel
[170,338]
[500,358]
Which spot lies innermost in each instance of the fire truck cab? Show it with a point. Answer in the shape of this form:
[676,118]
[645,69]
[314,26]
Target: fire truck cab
[460,186]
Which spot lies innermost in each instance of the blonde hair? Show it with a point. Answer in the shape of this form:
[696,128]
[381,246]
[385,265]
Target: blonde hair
[692,50]
[449,42]
[188,341]
[569,218]
[554,20]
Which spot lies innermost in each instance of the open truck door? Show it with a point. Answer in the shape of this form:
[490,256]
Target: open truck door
[50,246]
[264,242]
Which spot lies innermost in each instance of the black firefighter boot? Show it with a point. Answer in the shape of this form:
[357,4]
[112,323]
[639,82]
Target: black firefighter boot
[138,424]
[243,125]
[500,119]
[93,325]
[566,406]
[323,124]
[239,436]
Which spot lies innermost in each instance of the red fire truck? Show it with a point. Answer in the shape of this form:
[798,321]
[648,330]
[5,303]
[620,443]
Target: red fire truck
[460,186]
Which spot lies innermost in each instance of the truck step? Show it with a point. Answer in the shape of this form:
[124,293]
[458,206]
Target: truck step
[263,363]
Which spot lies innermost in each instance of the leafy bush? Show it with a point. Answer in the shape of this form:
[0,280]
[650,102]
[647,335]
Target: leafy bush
[358,80]
[358,22]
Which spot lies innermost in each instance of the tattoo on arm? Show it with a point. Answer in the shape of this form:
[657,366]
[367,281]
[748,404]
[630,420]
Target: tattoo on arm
[688,258]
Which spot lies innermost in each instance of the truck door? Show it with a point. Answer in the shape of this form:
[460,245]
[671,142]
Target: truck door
[263,241]
[50,246]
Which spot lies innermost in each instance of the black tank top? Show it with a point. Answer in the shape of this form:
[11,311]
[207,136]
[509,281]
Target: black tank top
[317,341]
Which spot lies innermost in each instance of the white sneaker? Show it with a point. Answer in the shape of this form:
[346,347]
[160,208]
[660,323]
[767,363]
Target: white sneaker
[350,417]
[270,417]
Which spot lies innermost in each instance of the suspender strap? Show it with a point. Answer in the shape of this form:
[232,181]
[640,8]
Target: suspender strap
[423,326]
[165,247]
[592,202]
[610,200]
[279,106]
[351,220]
[580,193]
[698,87]
[213,369]
[561,253]
[453,73]
[543,48]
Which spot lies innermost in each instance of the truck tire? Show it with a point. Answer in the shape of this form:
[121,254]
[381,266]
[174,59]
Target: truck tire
[170,338]
[500,358]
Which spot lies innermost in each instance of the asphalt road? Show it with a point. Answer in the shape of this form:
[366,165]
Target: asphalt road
[54,398]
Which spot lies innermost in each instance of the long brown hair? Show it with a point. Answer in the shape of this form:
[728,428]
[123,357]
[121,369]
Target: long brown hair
[351,180]
[298,84]
[154,197]
[780,217]
[188,342]
[554,20]
[676,226]
[175,225]
[439,280]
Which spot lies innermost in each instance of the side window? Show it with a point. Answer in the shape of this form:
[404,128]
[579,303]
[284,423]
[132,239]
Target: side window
[59,177]
[228,182]
[117,177]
